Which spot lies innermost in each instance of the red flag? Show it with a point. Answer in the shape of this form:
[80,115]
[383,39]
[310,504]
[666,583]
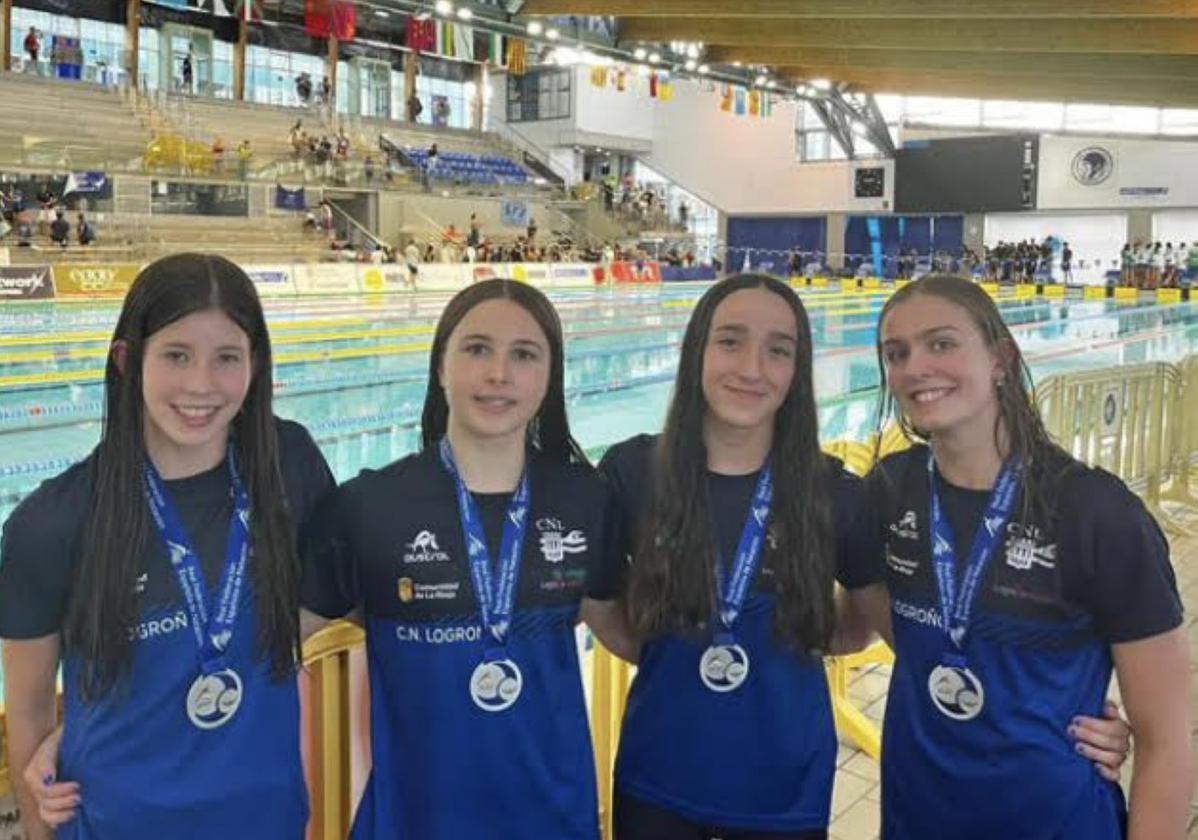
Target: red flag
[318,18]
[345,19]
[421,35]
[653,85]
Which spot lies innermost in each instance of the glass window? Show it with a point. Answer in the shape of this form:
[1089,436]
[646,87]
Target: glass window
[542,94]
[1001,113]
[944,110]
[1179,121]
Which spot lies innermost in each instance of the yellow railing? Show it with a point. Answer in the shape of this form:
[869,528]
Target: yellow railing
[1131,421]
[325,692]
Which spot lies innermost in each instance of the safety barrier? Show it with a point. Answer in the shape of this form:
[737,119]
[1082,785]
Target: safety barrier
[1130,421]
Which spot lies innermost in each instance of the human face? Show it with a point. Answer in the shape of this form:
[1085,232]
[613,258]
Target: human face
[195,376]
[939,368]
[495,370]
[749,360]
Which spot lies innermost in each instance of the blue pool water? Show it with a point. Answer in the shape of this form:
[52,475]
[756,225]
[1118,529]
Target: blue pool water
[354,370]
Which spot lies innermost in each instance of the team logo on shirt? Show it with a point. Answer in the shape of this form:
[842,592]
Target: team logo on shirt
[1026,548]
[907,527]
[424,549]
[557,541]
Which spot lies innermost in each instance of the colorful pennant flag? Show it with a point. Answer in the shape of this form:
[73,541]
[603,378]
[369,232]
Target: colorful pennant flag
[517,56]
[421,35]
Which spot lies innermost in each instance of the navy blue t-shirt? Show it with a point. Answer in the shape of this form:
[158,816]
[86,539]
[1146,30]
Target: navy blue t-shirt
[1061,588]
[391,542]
[761,757]
[144,770]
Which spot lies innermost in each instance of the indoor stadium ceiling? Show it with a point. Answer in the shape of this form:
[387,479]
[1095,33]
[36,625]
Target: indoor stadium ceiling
[1134,52]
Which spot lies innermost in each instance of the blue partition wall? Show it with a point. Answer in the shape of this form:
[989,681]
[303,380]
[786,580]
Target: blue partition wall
[879,239]
[768,240]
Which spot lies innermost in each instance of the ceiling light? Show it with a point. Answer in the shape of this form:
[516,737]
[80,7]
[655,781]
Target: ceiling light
[552,34]
[693,50]
[770,83]
[737,64]
[821,84]
[443,7]
[760,80]
[535,27]
[654,57]
[465,14]
[691,64]
[639,53]
[704,69]
[381,13]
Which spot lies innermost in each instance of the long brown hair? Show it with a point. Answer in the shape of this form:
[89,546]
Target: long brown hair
[103,605]
[672,585]
[1026,437]
[549,431]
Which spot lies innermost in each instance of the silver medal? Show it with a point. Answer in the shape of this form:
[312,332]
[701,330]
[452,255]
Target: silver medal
[956,692]
[724,667]
[213,699]
[495,686]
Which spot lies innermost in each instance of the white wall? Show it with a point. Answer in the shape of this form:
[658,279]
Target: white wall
[608,110]
[1145,173]
[745,164]
[1175,225]
[1094,237]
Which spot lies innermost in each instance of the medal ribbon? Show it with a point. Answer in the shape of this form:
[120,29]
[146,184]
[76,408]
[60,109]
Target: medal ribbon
[956,605]
[212,618]
[494,590]
[732,590]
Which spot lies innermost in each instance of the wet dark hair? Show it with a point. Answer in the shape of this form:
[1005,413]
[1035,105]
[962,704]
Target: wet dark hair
[103,604]
[1027,439]
[672,584]
[549,430]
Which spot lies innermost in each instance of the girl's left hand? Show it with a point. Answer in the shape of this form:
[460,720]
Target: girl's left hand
[1106,741]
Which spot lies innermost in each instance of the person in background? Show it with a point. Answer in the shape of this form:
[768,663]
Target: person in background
[245,153]
[1066,263]
[85,232]
[187,71]
[60,230]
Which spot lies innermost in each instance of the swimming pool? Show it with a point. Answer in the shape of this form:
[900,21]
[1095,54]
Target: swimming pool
[353,370]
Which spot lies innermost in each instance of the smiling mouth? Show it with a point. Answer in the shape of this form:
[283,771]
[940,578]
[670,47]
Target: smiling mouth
[930,395]
[495,403]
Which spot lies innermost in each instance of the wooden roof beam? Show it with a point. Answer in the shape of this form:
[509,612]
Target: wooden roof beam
[982,86]
[1152,37]
[1037,64]
[885,9]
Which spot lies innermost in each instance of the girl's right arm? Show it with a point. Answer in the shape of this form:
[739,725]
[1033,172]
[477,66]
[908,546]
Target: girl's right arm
[30,669]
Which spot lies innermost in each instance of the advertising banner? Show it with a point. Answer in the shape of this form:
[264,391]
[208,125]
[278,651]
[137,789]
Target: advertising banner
[636,272]
[271,280]
[93,280]
[26,282]
[326,279]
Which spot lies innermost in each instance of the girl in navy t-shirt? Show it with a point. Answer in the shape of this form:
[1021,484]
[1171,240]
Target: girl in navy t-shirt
[113,566]
[469,564]
[1018,579]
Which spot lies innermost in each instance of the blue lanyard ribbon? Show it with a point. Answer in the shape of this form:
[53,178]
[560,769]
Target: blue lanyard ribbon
[732,590]
[495,589]
[956,606]
[212,623]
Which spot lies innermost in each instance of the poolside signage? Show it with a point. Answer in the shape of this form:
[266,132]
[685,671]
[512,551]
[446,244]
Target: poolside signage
[25,282]
[93,279]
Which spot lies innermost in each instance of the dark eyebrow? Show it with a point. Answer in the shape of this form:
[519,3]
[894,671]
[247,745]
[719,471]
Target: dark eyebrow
[924,334]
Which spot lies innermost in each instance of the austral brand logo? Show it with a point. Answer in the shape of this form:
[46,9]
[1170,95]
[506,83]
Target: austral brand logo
[557,541]
[424,549]
[1092,166]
